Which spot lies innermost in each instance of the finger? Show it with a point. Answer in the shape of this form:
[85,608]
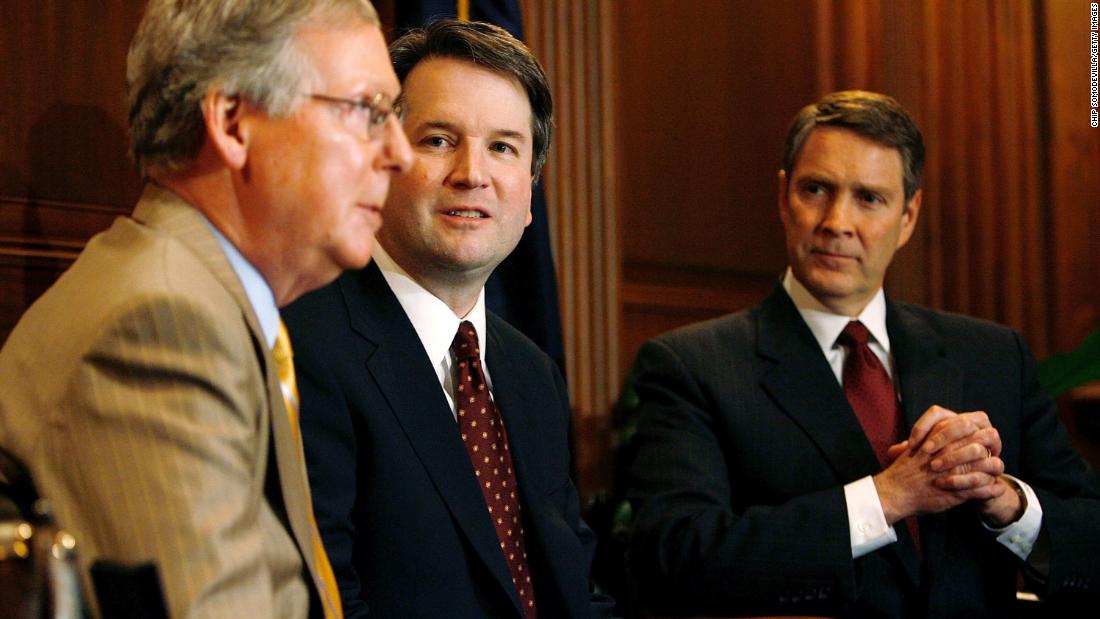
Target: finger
[965,481]
[993,466]
[955,428]
[978,418]
[927,421]
[991,438]
[983,493]
[960,453]
[895,450]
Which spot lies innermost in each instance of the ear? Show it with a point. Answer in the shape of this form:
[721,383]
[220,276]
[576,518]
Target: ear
[222,115]
[530,216]
[909,219]
[782,196]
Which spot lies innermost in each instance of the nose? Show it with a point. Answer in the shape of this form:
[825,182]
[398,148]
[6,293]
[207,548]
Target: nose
[396,151]
[469,166]
[837,218]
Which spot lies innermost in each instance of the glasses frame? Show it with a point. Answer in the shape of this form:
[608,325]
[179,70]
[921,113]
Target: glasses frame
[379,106]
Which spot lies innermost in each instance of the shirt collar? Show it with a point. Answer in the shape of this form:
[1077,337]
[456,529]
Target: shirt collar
[434,321]
[826,325]
[255,287]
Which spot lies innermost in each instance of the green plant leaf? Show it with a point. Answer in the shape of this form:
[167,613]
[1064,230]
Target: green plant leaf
[1062,372]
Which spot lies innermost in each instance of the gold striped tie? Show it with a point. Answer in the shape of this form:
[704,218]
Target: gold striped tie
[284,365]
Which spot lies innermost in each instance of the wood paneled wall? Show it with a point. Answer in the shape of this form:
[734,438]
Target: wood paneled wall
[702,90]
[662,187]
[64,172]
[571,40]
[1070,195]
[1009,228]
[974,82]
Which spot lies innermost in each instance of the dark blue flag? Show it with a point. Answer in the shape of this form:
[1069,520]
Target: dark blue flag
[523,290]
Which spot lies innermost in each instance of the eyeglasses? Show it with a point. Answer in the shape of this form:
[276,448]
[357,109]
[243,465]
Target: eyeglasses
[366,116]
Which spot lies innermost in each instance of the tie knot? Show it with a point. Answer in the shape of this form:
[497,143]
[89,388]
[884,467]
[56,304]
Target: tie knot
[854,334]
[465,343]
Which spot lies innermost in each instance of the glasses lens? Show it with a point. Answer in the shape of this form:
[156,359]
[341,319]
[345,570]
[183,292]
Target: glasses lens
[380,110]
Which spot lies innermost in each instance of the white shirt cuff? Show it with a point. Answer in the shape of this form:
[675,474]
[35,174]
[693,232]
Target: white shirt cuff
[866,520]
[1020,536]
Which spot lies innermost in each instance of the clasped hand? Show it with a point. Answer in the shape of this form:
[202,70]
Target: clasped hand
[949,458]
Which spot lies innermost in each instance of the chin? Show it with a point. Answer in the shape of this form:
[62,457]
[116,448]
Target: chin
[828,284]
[358,254]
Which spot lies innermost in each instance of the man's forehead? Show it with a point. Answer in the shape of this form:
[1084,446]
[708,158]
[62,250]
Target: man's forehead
[444,90]
[446,67]
[837,151]
[350,56]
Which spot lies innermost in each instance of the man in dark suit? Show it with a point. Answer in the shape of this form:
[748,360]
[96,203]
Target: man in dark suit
[805,455]
[437,436]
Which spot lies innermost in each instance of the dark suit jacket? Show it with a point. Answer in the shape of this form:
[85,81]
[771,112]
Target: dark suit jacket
[402,516]
[745,443]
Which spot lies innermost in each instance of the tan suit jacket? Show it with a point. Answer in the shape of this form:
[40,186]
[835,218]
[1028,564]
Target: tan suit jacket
[141,394]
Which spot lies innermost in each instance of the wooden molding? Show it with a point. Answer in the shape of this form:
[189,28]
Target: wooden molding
[574,43]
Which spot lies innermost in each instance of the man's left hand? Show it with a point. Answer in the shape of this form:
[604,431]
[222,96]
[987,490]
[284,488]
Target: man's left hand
[966,448]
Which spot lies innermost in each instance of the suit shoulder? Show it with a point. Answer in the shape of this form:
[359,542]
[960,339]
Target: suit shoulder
[954,327]
[737,330]
[124,275]
[514,341]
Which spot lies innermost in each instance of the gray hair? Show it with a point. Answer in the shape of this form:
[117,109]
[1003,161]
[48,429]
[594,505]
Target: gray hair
[185,48]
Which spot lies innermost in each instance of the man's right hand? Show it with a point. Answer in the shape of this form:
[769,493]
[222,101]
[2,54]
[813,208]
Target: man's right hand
[948,459]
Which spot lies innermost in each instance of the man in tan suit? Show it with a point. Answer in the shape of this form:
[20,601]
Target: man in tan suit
[141,391]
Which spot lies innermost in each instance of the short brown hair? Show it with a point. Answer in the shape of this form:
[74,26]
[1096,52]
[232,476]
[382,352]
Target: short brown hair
[874,116]
[487,46]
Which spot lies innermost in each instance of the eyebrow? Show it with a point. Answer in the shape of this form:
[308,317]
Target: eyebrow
[828,182]
[883,190]
[496,133]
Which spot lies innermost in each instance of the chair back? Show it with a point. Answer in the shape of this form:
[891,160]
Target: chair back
[38,572]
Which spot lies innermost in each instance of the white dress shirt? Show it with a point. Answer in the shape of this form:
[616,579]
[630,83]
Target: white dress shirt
[434,321]
[866,521]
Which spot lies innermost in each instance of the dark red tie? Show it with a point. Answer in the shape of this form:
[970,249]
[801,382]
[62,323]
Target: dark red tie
[486,440]
[871,393]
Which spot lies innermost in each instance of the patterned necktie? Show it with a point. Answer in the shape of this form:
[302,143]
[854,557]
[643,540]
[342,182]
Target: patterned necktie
[483,433]
[284,366]
[871,393]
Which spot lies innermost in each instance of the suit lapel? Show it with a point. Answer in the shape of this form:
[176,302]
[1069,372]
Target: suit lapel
[422,410]
[523,406]
[805,388]
[798,378]
[162,209]
[926,376]
[510,392]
